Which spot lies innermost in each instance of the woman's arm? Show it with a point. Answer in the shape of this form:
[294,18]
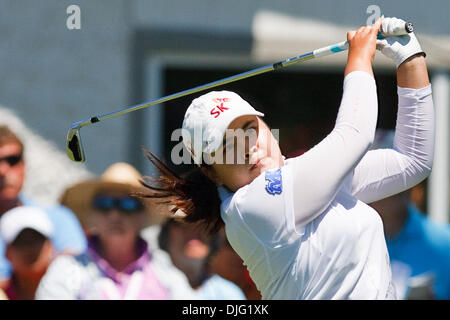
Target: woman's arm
[382,173]
[361,49]
[413,73]
[319,173]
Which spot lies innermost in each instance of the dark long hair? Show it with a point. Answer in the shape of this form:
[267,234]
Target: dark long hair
[193,193]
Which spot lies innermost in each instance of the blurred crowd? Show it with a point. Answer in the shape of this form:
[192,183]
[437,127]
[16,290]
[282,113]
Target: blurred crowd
[101,242]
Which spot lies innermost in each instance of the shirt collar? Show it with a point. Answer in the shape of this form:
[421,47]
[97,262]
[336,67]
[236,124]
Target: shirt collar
[224,193]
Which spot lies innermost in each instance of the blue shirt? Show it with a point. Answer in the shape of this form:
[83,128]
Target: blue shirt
[67,234]
[425,247]
[218,288]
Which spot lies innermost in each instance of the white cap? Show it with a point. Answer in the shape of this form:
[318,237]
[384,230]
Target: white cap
[15,220]
[207,119]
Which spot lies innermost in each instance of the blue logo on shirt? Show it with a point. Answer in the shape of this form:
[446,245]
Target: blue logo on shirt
[274,184]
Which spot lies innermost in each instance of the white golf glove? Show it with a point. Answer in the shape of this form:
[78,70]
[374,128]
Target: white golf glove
[398,48]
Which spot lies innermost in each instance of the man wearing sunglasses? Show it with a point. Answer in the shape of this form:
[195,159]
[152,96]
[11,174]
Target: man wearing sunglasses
[119,263]
[68,236]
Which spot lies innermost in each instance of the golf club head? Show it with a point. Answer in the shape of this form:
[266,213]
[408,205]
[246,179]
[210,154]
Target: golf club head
[74,148]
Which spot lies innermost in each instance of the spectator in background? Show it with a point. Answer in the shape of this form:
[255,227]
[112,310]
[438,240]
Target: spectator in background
[190,249]
[118,263]
[67,237]
[26,232]
[419,249]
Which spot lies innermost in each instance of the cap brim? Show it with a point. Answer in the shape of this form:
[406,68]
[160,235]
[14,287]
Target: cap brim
[16,232]
[225,124]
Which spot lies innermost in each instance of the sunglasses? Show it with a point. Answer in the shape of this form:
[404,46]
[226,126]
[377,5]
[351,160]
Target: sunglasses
[12,160]
[125,204]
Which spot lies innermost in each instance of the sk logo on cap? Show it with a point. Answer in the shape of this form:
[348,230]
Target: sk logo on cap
[220,107]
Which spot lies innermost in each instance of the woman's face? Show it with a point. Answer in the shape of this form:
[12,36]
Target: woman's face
[116,216]
[249,157]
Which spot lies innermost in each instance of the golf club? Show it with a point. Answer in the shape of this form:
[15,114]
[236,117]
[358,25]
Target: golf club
[74,146]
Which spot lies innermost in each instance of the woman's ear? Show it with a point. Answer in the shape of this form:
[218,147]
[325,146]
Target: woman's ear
[210,173]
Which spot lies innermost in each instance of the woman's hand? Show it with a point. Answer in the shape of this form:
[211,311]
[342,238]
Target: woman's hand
[398,48]
[362,47]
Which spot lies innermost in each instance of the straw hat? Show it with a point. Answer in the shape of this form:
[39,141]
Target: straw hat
[119,176]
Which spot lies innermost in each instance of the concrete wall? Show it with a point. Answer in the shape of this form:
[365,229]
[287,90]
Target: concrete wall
[52,76]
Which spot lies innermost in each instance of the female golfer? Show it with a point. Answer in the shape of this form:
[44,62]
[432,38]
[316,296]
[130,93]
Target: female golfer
[302,225]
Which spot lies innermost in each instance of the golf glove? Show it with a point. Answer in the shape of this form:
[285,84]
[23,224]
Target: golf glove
[397,48]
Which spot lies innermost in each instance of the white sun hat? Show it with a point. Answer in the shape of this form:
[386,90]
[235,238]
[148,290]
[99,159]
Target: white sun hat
[19,218]
[207,119]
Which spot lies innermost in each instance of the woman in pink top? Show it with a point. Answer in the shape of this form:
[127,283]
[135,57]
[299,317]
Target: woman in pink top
[118,264]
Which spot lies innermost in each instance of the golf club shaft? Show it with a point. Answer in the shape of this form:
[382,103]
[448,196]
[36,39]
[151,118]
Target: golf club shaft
[308,56]
[324,51]
[74,147]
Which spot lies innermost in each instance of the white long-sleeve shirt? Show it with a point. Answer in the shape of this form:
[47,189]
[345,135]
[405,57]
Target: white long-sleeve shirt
[304,230]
